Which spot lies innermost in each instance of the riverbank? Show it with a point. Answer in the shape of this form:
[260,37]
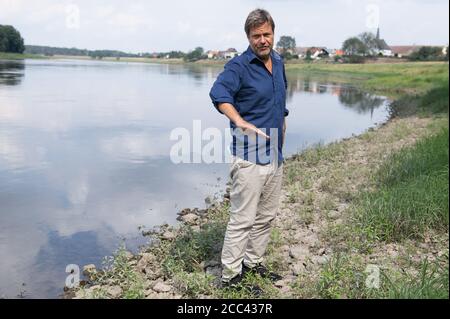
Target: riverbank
[18,56]
[326,242]
[316,244]
[393,80]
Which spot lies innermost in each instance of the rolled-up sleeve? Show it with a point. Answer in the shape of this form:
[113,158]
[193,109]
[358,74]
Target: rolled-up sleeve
[286,111]
[226,86]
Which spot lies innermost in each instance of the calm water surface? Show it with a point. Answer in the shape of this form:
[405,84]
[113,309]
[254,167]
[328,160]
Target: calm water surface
[84,156]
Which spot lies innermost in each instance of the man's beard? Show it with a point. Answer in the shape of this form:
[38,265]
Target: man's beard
[264,49]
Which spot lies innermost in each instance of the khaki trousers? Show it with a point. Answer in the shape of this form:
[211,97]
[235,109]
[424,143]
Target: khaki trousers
[254,198]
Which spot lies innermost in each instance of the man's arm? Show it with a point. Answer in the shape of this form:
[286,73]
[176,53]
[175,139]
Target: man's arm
[284,132]
[230,111]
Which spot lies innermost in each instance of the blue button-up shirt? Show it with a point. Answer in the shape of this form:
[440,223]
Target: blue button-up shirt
[259,97]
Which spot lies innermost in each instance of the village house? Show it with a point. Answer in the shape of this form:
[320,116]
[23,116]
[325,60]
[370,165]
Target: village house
[383,48]
[212,54]
[338,52]
[228,54]
[319,52]
[401,51]
[316,52]
[301,51]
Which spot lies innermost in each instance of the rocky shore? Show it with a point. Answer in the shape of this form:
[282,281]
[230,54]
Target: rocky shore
[312,244]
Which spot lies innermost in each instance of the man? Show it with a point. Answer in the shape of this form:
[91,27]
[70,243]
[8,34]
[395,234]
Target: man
[251,92]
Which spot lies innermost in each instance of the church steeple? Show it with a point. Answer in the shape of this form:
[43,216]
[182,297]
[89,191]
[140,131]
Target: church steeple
[378,33]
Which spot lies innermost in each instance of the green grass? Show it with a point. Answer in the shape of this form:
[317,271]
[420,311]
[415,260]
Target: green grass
[435,101]
[431,282]
[184,257]
[348,277]
[117,271]
[192,248]
[393,79]
[339,279]
[412,192]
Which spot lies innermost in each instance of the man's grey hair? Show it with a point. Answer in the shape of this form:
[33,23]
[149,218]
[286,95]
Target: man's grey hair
[256,18]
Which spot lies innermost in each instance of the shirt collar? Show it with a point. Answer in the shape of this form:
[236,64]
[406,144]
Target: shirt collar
[251,56]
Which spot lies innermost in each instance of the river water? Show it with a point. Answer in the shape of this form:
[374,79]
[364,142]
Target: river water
[84,156]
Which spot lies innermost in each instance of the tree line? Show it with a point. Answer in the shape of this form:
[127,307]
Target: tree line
[10,40]
[51,51]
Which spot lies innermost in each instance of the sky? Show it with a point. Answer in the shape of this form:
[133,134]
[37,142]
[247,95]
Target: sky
[165,25]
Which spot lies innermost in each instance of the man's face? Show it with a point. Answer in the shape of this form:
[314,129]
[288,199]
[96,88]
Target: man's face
[261,40]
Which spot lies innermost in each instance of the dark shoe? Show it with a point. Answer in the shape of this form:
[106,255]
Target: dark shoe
[236,284]
[233,282]
[262,271]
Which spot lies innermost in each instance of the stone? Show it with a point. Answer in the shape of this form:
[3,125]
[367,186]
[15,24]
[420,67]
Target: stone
[149,293]
[202,212]
[282,283]
[310,240]
[89,269]
[299,252]
[151,273]
[189,219]
[114,291]
[168,235]
[298,269]
[284,248]
[209,200]
[161,287]
[87,293]
[80,294]
[184,212]
[322,260]
[128,255]
[146,260]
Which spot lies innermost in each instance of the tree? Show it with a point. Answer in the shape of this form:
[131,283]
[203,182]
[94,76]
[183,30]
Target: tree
[287,45]
[195,55]
[364,44]
[308,55]
[354,46]
[176,55]
[11,40]
[428,54]
[371,43]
